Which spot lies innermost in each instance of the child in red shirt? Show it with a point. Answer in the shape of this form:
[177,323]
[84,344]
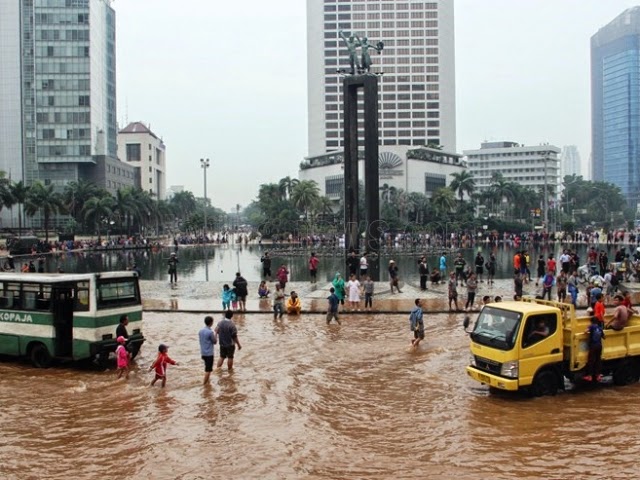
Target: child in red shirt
[160,365]
[598,309]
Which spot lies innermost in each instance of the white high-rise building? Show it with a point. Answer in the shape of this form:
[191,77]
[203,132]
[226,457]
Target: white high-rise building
[417,90]
[570,161]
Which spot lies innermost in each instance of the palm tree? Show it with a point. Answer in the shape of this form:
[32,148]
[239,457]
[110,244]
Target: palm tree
[184,204]
[144,205]
[45,199]
[76,193]
[463,182]
[387,193]
[501,189]
[126,207]
[19,192]
[98,209]
[324,206]
[286,186]
[305,194]
[444,200]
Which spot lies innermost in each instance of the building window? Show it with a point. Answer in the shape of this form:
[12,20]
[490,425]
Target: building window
[334,185]
[433,182]
[133,152]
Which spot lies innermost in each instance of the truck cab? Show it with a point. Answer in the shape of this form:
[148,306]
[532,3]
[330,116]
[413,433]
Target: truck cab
[535,344]
[516,345]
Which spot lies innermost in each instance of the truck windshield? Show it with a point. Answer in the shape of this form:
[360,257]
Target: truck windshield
[496,328]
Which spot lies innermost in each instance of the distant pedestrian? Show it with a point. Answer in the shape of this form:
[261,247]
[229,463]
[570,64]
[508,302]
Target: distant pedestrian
[266,266]
[518,285]
[594,363]
[241,286]
[541,270]
[160,365]
[338,285]
[353,287]
[472,287]
[41,264]
[122,358]
[417,323]
[332,308]
[228,339]
[491,268]
[479,263]
[364,265]
[227,296]
[294,306]
[278,302]
[459,264]
[443,266]
[313,267]
[453,291]
[547,285]
[423,271]
[283,276]
[353,263]
[368,287]
[394,279]
[173,268]
[207,338]
[121,329]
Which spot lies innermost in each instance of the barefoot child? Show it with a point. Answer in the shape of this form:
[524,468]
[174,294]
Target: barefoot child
[160,365]
[122,357]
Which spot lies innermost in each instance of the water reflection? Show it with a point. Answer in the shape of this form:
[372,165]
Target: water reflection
[219,263]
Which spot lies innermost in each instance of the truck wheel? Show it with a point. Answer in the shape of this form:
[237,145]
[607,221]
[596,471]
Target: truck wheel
[40,356]
[544,383]
[625,373]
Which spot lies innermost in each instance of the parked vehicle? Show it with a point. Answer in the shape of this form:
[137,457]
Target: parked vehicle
[68,316]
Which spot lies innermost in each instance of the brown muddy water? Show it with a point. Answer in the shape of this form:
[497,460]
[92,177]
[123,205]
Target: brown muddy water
[308,401]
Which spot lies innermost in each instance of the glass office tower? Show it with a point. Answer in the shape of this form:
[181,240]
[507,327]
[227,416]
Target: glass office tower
[615,97]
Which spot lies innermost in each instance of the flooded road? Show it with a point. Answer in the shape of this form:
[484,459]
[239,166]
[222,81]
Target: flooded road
[308,400]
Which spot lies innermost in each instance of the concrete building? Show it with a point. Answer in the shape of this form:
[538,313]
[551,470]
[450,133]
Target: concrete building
[142,149]
[615,103]
[528,166]
[570,161]
[172,190]
[423,170]
[57,89]
[417,91]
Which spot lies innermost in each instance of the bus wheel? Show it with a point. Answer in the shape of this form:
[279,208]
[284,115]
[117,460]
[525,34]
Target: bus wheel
[102,359]
[625,373]
[40,356]
[544,383]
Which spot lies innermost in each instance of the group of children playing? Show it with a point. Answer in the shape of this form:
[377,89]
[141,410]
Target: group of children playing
[123,358]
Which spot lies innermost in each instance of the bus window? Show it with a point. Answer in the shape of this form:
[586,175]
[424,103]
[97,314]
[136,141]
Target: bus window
[117,292]
[82,297]
[36,296]
[12,295]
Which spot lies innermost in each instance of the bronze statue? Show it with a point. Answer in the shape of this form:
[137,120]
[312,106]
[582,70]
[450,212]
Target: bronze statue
[353,42]
[366,58]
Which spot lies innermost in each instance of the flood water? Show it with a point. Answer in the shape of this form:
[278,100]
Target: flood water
[308,400]
[219,263]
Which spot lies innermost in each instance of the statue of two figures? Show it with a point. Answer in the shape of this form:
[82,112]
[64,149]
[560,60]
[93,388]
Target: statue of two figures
[362,64]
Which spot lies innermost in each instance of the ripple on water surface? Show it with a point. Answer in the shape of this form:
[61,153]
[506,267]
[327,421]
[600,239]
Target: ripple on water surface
[307,400]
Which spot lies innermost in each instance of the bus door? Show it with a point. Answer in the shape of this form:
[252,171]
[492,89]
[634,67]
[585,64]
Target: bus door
[63,300]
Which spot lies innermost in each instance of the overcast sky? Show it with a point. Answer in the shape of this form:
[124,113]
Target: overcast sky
[227,80]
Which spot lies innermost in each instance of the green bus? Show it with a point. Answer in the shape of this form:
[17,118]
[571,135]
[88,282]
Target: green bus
[69,317]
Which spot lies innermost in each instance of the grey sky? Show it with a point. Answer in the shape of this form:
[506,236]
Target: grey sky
[227,80]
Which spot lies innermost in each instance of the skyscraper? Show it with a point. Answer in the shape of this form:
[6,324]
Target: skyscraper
[417,90]
[58,91]
[570,163]
[615,103]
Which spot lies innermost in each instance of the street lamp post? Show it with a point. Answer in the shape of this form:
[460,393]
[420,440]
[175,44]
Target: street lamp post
[204,163]
[545,200]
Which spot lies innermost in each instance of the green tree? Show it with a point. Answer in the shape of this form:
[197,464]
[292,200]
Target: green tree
[98,210]
[45,200]
[462,183]
[304,195]
[76,193]
[444,200]
[19,191]
[286,186]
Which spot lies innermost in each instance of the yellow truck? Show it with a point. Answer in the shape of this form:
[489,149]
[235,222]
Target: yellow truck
[508,354]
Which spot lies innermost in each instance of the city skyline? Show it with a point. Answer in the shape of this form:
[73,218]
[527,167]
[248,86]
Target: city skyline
[236,91]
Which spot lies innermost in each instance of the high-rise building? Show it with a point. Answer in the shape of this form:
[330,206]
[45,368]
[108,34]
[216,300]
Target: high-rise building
[139,147]
[570,163]
[58,92]
[615,103]
[417,90]
[529,166]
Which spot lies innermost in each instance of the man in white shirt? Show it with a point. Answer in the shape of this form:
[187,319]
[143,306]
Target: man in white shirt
[364,265]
